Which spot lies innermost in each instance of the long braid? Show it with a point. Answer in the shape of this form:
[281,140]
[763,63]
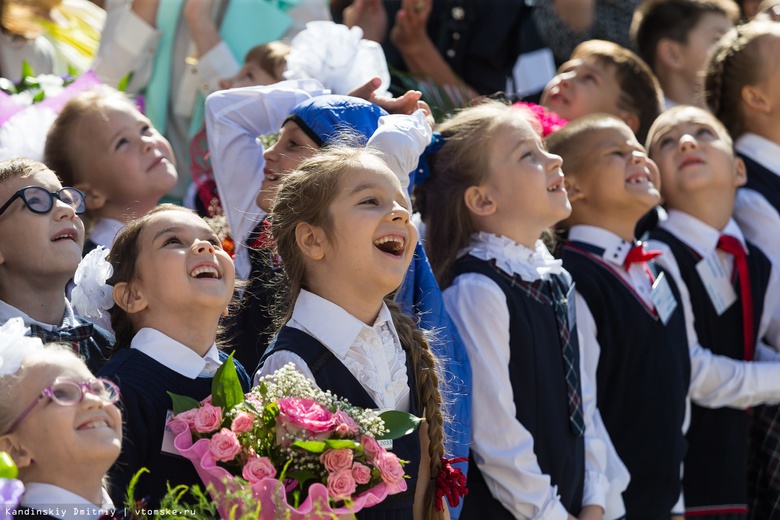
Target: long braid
[428,395]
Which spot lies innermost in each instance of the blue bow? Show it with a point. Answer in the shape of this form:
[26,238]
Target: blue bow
[423,171]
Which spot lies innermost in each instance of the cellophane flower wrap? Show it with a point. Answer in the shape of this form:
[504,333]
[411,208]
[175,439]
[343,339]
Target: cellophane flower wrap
[304,452]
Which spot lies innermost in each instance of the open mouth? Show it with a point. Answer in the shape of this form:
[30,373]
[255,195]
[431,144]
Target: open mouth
[93,425]
[65,235]
[391,244]
[205,271]
[270,176]
[558,186]
[639,178]
[690,161]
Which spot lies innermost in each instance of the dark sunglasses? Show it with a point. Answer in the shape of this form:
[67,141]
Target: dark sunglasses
[40,200]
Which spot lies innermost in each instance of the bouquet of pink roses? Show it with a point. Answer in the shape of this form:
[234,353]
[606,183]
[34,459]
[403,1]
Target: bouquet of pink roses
[304,452]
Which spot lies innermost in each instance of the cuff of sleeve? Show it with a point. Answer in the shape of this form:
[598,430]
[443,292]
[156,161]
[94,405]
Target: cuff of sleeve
[553,510]
[134,35]
[595,489]
[679,507]
[216,64]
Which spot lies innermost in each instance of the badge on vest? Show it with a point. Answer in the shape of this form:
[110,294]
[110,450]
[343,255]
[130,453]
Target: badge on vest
[718,284]
[663,298]
[168,437]
[386,444]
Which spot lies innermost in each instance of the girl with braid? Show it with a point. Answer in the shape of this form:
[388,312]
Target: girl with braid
[342,226]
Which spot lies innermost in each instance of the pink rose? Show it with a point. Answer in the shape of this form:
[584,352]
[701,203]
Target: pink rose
[258,468]
[188,417]
[207,400]
[334,460]
[242,423]
[370,446]
[209,418]
[361,473]
[341,484]
[224,445]
[345,425]
[306,414]
[389,467]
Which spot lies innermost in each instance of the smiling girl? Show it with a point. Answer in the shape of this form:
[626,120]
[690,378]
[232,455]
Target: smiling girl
[341,223]
[103,145]
[172,282]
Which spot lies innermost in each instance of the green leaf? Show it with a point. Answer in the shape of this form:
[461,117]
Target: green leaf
[398,424]
[8,467]
[226,391]
[182,403]
[37,98]
[27,70]
[124,82]
[310,446]
[130,492]
[301,475]
[270,413]
[339,444]
[72,71]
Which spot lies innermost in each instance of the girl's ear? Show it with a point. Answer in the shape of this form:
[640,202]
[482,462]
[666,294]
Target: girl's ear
[311,240]
[572,189]
[754,98]
[94,198]
[631,119]
[668,53]
[479,202]
[740,172]
[12,445]
[129,298]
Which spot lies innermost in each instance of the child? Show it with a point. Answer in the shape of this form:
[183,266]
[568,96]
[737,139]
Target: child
[675,37]
[740,85]
[699,179]
[603,77]
[625,300]
[342,228]
[172,282]
[493,190]
[61,427]
[41,236]
[101,144]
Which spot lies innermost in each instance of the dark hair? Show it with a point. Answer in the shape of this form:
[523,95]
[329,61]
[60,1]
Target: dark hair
[20,167]
[655,20]
[640,92]
[736,62]
[306,196]
[123,258]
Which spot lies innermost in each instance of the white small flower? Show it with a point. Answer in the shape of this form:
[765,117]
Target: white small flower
[50,84]
[15,345]
[92,296]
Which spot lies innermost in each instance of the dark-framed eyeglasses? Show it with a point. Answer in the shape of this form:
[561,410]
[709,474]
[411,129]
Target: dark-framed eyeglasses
[40,200]
[66,392]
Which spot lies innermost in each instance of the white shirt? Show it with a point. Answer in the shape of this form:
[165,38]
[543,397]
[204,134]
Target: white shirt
[61,503]
[503,447]
[105,231]
[757,218]
[8,311]
[373,355]
[234,119]
[176,356]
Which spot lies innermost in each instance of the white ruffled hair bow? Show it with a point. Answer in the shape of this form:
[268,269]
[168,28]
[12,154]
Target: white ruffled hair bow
[15,345]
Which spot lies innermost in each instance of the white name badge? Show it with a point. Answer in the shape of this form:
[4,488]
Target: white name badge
[571,307]
[663,298]
[386,444]
[718,285]
[168,437]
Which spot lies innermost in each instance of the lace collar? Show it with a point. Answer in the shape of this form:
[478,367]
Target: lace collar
[513,258]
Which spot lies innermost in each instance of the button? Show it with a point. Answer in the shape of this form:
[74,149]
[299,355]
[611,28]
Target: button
[456,36]
[450,53]
[458,13]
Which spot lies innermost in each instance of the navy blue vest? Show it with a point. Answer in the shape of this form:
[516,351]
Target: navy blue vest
[331,374]
[642,382]
[763,180]
[538,382]
[716,462]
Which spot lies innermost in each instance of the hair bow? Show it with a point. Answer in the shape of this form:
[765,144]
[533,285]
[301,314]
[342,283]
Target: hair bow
[15,345]
[92,295]
[423,171]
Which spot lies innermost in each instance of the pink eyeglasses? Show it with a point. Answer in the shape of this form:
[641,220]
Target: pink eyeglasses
[66,392]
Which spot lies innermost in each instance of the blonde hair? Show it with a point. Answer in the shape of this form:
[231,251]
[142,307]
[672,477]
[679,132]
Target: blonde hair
[306,196]
[21,168]
[697,113]
[736,62]
[271,57]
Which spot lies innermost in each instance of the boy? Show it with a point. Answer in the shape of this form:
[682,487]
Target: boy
[727,284]
[638,342]
[603,77]
[41,237]
[675,37]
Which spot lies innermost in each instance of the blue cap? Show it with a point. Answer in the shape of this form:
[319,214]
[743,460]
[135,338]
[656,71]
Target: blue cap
[324,118]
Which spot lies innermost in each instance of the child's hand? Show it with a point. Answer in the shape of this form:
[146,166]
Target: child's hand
[369,15]
[578,15]
[591,513]
[410,29]
[405,104]
[197,13]
[422,105]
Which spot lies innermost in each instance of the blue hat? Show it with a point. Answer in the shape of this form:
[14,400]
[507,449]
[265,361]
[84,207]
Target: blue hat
[324,118]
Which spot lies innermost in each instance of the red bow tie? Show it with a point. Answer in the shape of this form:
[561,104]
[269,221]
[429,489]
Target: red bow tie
[638,255]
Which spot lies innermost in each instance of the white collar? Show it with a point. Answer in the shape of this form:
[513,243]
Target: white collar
[615,248]
[172,354]
[62,503]
[701,237]
[333,326]
[9,311]
[105,231]
[761,150]
[511,257]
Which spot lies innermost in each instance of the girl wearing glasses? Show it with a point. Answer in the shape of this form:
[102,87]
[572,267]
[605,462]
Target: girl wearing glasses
[41,237]
[62,428]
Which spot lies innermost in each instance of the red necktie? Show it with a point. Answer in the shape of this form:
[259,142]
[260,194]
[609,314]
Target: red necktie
[638,255]
[731,245]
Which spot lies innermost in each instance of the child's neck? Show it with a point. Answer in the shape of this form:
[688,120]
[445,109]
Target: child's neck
[525,235]
[622,225]
[358,303]
[765,125]
[125,213]
[679,90]
[86,482]
[709,208]
[41,301]
[197,331]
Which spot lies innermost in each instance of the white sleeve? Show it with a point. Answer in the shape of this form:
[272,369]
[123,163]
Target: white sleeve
[127,44]
[759,221]
[234,120]
[277,360]
[718,381]
[402,139]
[768,347]
[502,447]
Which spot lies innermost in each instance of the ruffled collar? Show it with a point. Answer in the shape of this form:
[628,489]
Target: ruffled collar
[513,258]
